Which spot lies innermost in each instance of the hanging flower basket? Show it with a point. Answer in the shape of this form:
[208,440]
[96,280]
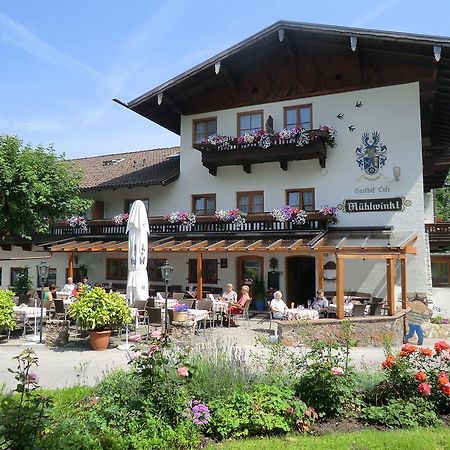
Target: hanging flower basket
[184,219]
[77,222]
[120,219]
[329,212]
[235,216]
[289,214]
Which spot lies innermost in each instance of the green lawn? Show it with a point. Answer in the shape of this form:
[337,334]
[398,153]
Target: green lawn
[420,439]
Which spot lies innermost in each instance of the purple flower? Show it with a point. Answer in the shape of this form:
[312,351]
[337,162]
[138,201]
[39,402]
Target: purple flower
[200,413]
[31,378]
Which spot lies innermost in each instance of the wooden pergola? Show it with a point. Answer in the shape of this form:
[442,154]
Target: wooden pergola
[344,244]
[362,245]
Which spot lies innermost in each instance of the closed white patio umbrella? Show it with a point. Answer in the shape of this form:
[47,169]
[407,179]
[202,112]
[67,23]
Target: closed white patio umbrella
[137,229]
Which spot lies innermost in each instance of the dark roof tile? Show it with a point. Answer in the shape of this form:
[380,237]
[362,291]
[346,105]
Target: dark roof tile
[158,166]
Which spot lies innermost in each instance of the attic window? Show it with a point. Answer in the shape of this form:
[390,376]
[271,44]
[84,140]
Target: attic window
[112,162]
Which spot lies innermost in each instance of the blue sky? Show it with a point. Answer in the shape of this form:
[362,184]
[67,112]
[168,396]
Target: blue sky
[63,61]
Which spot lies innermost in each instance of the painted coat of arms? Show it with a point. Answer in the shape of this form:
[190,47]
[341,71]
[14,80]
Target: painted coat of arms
[372,154]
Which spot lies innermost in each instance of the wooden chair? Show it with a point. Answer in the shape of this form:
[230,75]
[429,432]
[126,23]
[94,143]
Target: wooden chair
[359,310]
[141,306]
[188,302]
[208,306]
[60,310]
[375,309]
[153,318]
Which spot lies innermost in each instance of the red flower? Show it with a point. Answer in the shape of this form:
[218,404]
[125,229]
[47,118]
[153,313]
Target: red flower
[421,376]
[441,345]
[388,362]
[409,348]
[403,353]
[442,379]
[424,389]
[426,351]
[446,389]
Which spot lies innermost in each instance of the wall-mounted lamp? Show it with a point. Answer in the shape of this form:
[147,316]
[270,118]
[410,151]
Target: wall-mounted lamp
[75,259]
[396,171]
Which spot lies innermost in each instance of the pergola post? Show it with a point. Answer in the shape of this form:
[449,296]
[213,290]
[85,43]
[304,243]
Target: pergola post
[199,276]
[390,285]
[319,262]
[403,275]
[340,286]
[70,268]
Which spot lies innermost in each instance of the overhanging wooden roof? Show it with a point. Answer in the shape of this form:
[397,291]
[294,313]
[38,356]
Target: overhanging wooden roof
[189,246]
[290,60]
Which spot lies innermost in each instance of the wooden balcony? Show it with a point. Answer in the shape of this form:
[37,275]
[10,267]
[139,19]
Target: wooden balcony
[280,150]
[256,224]
[439,234]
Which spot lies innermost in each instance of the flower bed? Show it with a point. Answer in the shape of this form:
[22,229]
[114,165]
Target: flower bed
[184,219]
[235,216]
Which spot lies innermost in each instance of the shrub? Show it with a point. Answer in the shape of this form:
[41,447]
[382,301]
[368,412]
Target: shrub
[98,310]
[218,368]
[328,382]
[265,409]
[418,373]
[23,415]
[401,413]
[7,321]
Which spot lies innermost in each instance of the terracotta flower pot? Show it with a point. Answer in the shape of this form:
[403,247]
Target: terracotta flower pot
[99,339]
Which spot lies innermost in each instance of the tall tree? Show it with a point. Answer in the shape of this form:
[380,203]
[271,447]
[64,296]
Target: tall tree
[442,196]
[37,186]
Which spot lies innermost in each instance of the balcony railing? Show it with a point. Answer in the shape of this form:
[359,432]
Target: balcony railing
[255,223]
[439,232]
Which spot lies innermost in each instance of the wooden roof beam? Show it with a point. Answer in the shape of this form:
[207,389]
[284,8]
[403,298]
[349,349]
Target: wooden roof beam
[199,246]
[298,243]
[162,247]
[119,247]
[275,245]
[235,245]
[220,245]
[254,245]
[181,246]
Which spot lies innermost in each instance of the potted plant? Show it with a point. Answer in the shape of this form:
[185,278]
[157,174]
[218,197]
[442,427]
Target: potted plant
[259,293]
[180,312]
[7,316]
[100,312]
[23,284]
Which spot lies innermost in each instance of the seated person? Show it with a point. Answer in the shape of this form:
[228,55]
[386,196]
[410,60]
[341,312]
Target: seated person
[320,301]
[238,308]
[229,295]
[69,286]
[51,294]
[277,306]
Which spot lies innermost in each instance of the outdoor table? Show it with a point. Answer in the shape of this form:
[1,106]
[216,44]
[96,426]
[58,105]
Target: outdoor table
[24,313]
[161,303]
[299,314]
[219,307]
[62,295]
[332,309]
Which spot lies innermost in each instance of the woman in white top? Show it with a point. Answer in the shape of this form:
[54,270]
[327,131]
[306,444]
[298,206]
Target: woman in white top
[229,295]
[277,306]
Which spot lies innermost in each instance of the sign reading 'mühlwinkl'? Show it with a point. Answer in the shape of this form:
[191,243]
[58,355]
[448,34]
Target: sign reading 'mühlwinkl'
[374,205]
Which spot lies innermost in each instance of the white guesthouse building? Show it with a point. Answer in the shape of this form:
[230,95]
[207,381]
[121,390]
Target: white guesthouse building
[385,96]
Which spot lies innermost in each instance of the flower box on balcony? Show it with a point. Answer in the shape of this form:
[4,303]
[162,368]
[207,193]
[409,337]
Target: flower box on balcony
[282,147]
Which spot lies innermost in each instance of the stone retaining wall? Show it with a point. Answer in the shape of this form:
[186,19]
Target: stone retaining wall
[57,333]
[368,331]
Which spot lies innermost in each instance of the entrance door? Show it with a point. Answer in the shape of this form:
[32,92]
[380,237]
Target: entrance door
[248,268]
[301,279]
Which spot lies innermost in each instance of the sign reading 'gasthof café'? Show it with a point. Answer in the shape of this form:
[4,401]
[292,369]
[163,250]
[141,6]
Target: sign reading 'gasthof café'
[374,205]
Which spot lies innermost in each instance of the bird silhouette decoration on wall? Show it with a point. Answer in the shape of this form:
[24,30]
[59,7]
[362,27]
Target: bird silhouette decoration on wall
[351,128]
[358,104]
[340,116]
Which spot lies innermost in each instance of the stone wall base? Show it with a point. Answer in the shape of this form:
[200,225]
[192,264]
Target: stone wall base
[57,333]
[371,331]
[182,333]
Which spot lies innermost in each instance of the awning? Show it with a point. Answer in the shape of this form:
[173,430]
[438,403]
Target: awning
[365,242]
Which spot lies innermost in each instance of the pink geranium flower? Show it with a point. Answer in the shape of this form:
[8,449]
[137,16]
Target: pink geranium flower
[31,378]
[337,371]
[156,334]
[183,371]
[424,389]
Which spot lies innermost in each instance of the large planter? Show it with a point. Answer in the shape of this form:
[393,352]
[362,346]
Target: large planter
[99,340]
[180,316]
